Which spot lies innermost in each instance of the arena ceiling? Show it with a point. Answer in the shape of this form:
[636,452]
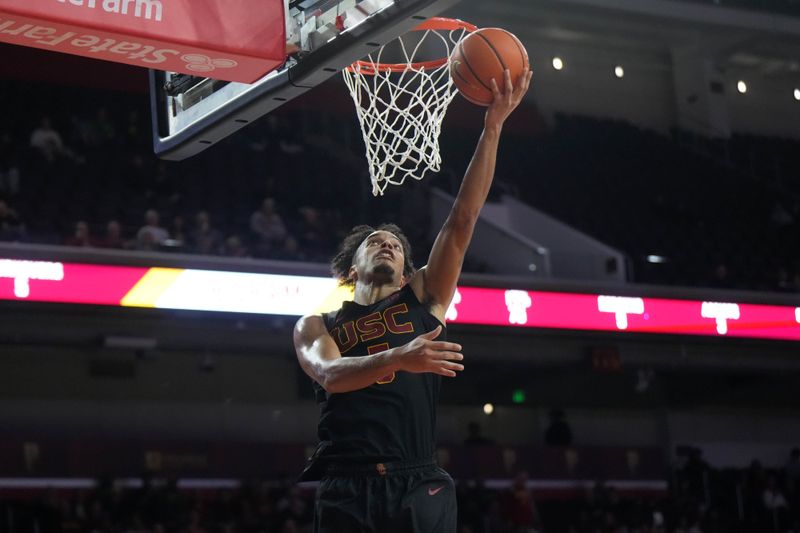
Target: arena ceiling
[646,31]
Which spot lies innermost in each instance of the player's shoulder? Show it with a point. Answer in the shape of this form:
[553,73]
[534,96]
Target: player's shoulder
[309,324]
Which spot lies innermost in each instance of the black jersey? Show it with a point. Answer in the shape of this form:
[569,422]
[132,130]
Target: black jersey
[394,419]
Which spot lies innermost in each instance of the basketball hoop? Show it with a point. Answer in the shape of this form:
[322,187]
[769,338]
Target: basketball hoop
[401,105]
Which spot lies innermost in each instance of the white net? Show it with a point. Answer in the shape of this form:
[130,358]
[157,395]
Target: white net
[401,106]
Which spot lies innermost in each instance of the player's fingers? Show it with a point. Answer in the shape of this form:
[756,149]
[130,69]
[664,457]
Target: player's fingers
[452,366]
[446,372]
[525,79]
[509,86]
[453,356]
[495,89]
[528,79]
[446,346]
[522,84]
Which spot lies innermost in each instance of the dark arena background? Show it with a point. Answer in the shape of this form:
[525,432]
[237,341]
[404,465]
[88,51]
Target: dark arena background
[629,307]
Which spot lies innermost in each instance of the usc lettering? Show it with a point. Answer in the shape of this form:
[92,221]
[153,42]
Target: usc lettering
[391,321]
[349,339]
[372,326]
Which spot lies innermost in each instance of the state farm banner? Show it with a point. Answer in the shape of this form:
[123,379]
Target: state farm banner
[233,40]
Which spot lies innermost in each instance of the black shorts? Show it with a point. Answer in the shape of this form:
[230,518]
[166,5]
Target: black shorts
[416,497]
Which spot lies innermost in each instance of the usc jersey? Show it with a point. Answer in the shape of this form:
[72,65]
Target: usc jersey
[394,419]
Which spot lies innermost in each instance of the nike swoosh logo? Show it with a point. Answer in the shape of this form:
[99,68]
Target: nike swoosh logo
[434,492]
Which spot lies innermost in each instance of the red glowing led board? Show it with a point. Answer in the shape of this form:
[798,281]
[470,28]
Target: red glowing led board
[272,294]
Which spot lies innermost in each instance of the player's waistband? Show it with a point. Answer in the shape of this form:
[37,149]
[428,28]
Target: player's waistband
[378,469]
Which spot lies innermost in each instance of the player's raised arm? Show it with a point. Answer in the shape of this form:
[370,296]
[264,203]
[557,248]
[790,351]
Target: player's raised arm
[436,282]
[321,359]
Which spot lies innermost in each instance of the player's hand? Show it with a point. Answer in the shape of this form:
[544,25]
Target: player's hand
[424,354]
[505,102]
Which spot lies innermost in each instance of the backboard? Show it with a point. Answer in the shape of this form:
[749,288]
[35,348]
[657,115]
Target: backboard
[191,113]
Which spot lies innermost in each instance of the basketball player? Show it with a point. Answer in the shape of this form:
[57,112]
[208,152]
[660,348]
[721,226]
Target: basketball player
[377,364]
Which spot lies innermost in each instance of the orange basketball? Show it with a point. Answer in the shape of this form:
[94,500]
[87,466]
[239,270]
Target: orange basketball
[482,55]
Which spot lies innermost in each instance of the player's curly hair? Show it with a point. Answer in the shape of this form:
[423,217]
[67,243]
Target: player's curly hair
[343,260]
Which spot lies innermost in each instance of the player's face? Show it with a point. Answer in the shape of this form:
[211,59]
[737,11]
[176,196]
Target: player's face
[382,255]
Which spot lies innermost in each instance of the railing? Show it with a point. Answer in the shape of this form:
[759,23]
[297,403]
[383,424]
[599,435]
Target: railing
[26,461]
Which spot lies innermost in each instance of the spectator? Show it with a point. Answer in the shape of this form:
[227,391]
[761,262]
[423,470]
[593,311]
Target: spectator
[11,227]
[520,507]
[775,504]
[113,236]
[235,248]
[267,226]
[48,141]
[290,251]
[151,235]
[558,433]
[696,472]
[177,232]
[772,496]
[204,238]
[312,233]
[81,236]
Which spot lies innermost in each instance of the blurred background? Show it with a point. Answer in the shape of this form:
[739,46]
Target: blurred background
[657,154]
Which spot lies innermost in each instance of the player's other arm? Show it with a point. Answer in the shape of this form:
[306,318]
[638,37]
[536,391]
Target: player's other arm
[437,281]
[321,360]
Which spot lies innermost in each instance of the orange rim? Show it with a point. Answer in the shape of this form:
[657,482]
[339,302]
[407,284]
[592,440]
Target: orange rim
[433,23]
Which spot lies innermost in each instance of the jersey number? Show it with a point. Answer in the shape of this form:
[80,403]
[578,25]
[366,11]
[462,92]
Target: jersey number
[372,350]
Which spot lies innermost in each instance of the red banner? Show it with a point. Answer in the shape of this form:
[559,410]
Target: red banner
[234,40]
[261,293]
[598,312]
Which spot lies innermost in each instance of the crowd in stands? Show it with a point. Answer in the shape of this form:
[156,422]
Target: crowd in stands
[81,172]
[700,499]
[714,213]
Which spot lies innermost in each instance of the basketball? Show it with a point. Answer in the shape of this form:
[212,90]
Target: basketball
[482,55]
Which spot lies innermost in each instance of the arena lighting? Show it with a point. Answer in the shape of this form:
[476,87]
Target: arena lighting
[619,71]
[656,259]
[285,295]
[741,86]
[558,64]
[797,94]
[488,408]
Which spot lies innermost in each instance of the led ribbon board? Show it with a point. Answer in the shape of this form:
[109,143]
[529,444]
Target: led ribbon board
[271,294]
